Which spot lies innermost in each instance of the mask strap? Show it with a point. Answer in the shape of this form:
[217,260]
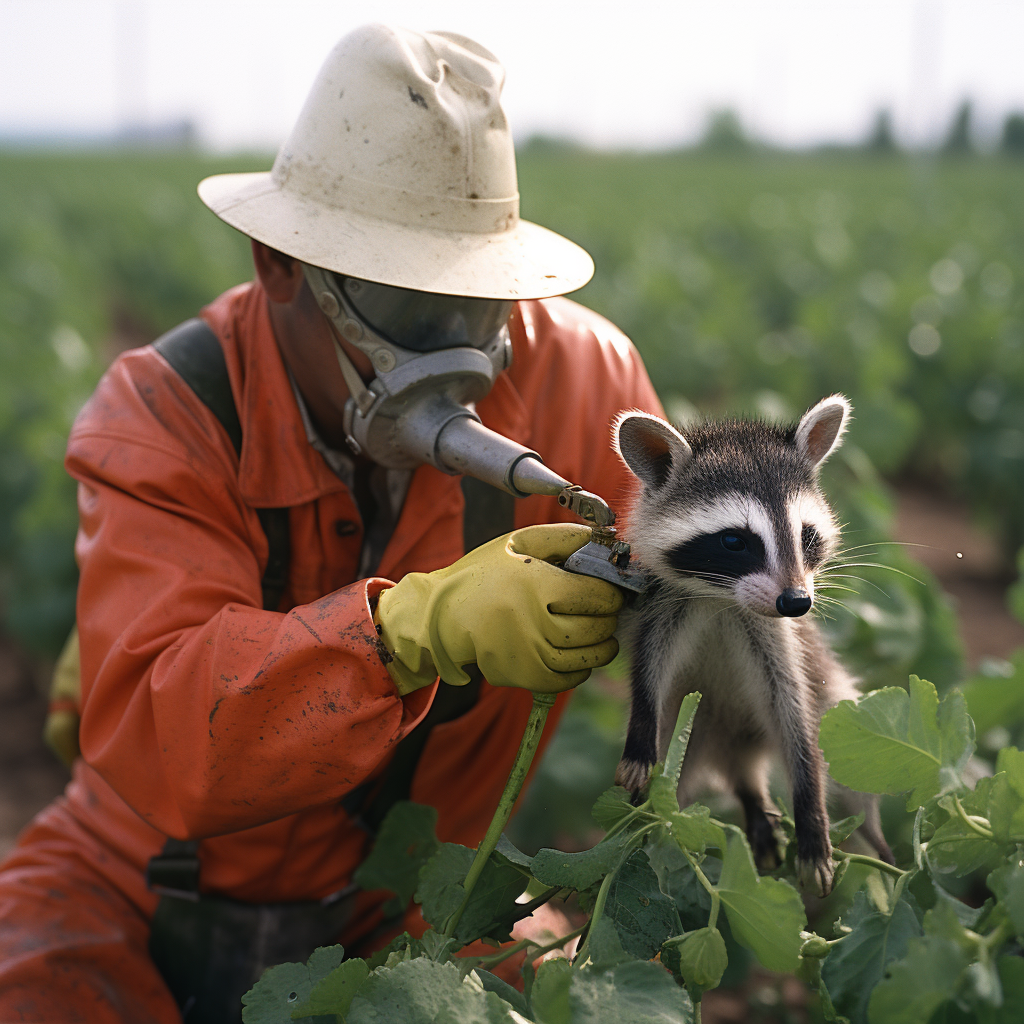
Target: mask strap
[361,394]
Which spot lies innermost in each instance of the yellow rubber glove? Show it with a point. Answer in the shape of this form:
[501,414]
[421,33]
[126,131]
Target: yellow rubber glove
[503,607]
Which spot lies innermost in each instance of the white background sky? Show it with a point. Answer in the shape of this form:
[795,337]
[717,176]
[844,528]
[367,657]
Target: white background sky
[624,73]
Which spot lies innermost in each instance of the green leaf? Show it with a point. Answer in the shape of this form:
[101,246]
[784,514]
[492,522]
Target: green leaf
[283,988]
[424,992]
[892,741]
[636,992]
[1011,981]
[549,996]
[402,947]
[664,785]
[611,807]
[955,846]
[694,830]
[502,989]
[1006,798]
[604,950]
[918,984]
[405,842]
[512,853]
[840,831]
[854,966]
[492,906]
[699,958]
[766,914]
[1007,883]
[579,870]
[334,994]
[643,915]
[678,880]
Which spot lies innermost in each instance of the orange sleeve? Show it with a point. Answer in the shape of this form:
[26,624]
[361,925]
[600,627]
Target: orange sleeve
[204,712]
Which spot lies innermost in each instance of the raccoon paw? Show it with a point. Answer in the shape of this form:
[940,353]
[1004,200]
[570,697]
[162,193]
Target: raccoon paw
[816,875]
[764,844]
[632,775]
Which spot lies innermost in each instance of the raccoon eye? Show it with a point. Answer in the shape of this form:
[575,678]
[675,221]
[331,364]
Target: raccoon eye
[733,542]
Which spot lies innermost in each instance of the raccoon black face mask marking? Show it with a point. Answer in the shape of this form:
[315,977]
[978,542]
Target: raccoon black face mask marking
[729,524]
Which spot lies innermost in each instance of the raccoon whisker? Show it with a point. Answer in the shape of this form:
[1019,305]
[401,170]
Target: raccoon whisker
[833,586]
[880,565]
[851,576]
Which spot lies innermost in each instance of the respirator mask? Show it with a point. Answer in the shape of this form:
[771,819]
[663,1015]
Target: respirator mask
[434,356]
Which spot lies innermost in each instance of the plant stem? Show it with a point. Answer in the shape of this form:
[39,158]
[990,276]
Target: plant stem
[716,900]
[874,862]
[542,704]
[492,961]
[602,899]
[971,821]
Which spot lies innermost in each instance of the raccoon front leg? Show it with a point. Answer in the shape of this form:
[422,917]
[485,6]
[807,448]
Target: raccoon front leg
[794,711]
[652,676]
[750,784]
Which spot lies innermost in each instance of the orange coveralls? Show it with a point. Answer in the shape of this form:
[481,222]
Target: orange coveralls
[204,716]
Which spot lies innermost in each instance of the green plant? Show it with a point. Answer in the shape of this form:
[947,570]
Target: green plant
[672,894]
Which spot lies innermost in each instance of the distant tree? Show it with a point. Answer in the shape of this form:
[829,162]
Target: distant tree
[724,133]
[958,138]
[881,139]
[1012,142]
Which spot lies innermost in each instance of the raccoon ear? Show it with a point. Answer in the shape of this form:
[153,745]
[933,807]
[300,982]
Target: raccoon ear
[650,447]
[820,430]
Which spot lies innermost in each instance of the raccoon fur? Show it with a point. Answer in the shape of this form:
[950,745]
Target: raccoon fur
[729,526]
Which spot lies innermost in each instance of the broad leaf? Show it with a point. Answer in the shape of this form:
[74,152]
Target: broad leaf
[492,906]
[765,914]
[698,958]
[405,842]
[1006,799]
[424,992]
[677,879]
[604,950]
[854,967]
[611,807]
[502,989]
[643,915]
[334,994]
[579,870]
[955,846]
[997,701]
[918,984]
[892,741]
[694,830]
[635,992]
[283,988]
[1007,883]
[512,853]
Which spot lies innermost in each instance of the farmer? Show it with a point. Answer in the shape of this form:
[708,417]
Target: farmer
[266,600]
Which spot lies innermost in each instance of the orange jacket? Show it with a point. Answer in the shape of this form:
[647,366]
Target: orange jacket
[204,716]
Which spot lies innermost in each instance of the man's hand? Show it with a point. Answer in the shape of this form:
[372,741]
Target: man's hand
[506,608]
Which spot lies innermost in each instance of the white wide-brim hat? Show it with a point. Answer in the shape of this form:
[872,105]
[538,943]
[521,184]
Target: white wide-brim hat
[401,170]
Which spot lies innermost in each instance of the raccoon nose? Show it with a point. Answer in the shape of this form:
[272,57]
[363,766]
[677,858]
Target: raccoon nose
[793,602]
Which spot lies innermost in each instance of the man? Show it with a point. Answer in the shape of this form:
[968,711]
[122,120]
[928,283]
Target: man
[263,716]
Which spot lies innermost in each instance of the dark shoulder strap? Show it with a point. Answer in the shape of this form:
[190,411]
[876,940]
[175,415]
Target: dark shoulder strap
[195,354]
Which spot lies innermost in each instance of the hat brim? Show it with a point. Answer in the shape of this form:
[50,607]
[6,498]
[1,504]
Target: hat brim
[527,262]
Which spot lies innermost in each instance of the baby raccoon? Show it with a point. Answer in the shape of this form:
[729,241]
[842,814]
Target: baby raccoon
[728,526]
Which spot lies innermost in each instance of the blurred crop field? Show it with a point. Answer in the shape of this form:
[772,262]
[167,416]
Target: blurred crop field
[752,283]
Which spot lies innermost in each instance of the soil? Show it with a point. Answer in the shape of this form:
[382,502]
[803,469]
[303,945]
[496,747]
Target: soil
[965,560]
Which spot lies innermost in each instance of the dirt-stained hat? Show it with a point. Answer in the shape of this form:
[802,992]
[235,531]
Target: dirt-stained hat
[401,170]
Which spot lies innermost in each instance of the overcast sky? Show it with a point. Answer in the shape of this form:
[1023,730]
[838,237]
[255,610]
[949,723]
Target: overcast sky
[624,73]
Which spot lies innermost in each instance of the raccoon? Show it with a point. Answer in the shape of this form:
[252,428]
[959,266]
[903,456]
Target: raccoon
[729,526]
